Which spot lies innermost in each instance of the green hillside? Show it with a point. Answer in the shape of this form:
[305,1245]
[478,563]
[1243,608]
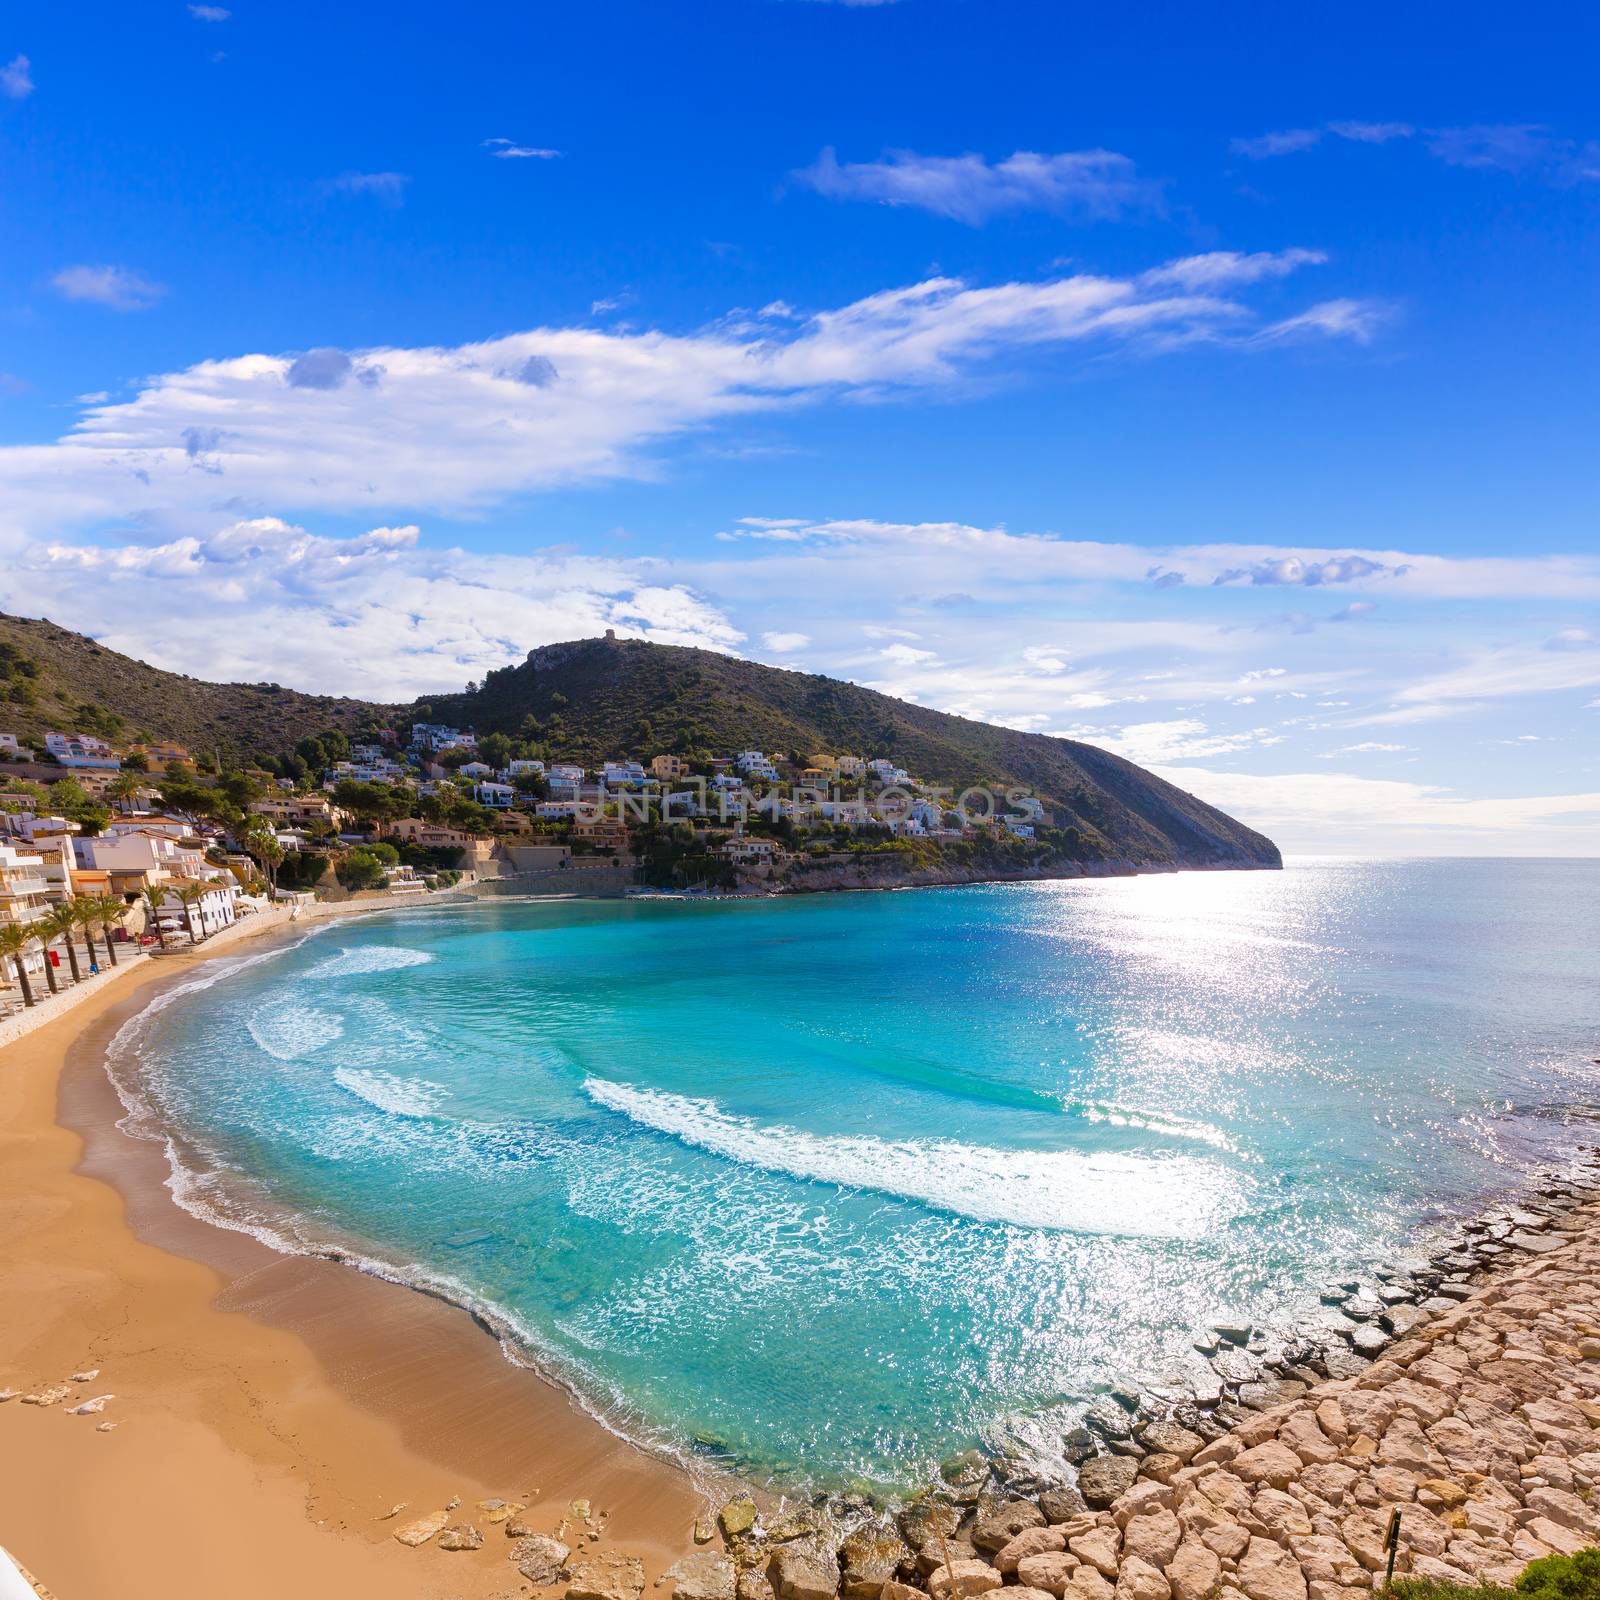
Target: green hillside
[598,698]
[602,698]
[54,680]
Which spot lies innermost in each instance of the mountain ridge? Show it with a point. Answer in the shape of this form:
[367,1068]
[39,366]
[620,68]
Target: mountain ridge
[595,699]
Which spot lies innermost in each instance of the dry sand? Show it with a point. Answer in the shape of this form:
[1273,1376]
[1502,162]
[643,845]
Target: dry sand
[269,1409]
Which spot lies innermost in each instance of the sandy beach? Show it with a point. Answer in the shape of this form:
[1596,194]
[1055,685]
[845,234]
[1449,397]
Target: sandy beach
[269,1410]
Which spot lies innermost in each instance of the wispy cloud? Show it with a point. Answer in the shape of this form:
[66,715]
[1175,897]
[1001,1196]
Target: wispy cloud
[389,187]
[510,150]
[1290,141]
[1088,184]
[116,287]
[209,13]
[1523,149]
[16,78]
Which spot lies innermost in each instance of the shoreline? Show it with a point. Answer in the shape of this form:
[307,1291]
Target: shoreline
[270,1408]
[317,1397]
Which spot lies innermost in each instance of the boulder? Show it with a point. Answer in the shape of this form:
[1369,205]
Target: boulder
[737,1518]
[1030,1542]
[1153,1537]
[423,1529]
[1087,1584]
[1194,1571]
[1271,1462]
[461,1536]
[1000,1526]
[539,1558]
[606,1575]
[870,1557]
[1105,1479]
[961,1580]
[1138,1580]
[935,1552]
[797,1572]
[1268,1572]
[702,1575]
[1100,1548]
[1061,1504]
[1168,1438]
[1050,1570]
[926,1518]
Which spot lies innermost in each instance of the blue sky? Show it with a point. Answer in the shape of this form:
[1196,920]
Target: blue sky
[1217,385]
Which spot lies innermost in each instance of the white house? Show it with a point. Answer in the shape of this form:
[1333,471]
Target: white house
[217,908]
[475,769]
[496,795]
[554,810]
[81,750]
[753,764]
[525,769]
[10,747]
[622,774]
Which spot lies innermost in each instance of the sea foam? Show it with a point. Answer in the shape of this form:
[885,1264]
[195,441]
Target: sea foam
[1100,1193]
[386,1091]
[370,958]
[289,1029]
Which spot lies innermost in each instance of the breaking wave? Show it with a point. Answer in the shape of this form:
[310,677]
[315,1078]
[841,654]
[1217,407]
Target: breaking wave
[386,1091]
[1065,1190]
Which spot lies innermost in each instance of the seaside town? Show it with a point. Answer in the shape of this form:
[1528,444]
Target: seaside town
[149,842]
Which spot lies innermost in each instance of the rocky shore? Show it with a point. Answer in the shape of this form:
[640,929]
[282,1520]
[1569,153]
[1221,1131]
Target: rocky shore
[1464,1395]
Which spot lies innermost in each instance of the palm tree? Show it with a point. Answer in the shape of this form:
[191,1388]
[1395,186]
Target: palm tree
[155,896]
[37,932]
[85,909]
[60,922]
[109,912]
[124,787]
[14,942]
[191,894]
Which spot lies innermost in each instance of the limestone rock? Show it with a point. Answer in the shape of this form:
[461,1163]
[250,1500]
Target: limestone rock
[1169,1438]
[1105,1479]
[704,1575]
[423,1529]
[1050,1570]
[540,1559]
[1268,1572]
[1271,1462]
[1061,1504]
[1194,1571]
[1099,1547]
[53,1395]
[1003,1524]
[1138,1580]
[90,1407]
[607,1575]
[1153,1537]
[1030,1542]
[737,1518]
[797,1572]
[959,1581]
[870,1557]
[462,1536]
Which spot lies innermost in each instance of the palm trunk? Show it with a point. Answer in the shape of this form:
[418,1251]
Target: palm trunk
[111,949]
[49,968]
[72,960]
[161,933]
[188,922]
[22,978]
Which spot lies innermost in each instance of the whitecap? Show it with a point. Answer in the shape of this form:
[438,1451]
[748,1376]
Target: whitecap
[363,959]
[1087,1192]
[289,1029]
[387,1091]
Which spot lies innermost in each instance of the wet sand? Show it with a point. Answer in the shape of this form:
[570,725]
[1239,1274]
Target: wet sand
[269,1409]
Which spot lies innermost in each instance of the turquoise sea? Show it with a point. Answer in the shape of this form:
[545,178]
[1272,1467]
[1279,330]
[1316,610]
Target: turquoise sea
[823,1189]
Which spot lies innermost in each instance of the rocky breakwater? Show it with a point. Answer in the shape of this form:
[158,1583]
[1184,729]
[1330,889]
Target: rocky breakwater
[1474,1412]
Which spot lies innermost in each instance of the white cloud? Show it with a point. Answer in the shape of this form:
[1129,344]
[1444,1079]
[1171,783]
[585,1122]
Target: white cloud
[389,187]
[116,287]
[1179,739]
[16,78]
[1369,747]
[510,150]
[1514,670]
[906,655]
[1218,268]
[209,13]
[785,642]
[1308,812]
[1290,141]
[1090,184]
[374,614]
[1523,149]
[460,427]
